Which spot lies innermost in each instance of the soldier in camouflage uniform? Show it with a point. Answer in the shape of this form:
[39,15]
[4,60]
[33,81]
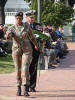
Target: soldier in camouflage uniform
[21,50]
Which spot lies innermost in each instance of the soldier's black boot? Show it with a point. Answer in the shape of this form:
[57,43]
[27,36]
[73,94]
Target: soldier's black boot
[19,91]
[26,90]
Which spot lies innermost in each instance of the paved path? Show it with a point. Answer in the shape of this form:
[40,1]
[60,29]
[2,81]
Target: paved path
[52,84]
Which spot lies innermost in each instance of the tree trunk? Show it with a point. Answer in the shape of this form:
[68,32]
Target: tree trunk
[2,15]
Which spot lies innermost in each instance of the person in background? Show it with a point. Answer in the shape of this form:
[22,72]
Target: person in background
[3,42]
[59,33]
[1,32]
[48,49]
[21,51]
[62,42]
[30,16]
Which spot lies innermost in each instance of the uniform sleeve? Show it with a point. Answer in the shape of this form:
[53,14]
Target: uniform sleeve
[31,35]
[8,34]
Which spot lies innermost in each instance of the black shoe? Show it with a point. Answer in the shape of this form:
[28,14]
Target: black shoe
[32,90]
[27,88]
[26,91]
[58,61]
[51,67]
[19,91]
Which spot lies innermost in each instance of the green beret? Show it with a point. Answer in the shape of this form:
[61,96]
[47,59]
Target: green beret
[19,14]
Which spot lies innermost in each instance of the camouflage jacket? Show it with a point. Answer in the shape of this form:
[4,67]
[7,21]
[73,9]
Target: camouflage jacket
[21,36]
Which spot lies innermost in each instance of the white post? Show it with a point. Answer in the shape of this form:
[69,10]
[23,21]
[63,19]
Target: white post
[67,3]
[66,27]
[39,11]
[46,62]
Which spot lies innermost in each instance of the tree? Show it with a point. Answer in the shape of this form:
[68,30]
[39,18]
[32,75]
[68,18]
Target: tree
[53,13]
[2,14]
[34,5]
[56,13]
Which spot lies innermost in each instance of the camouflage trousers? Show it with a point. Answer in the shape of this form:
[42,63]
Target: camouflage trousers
[22,62]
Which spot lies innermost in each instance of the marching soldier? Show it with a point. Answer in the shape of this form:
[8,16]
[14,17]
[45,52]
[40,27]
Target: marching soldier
[21,51]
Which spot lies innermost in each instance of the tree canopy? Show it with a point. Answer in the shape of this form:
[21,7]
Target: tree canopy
[56,13]
[53,13]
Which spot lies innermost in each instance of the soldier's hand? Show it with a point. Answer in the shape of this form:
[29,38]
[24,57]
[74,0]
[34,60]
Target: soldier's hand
[36,47]
[8,35]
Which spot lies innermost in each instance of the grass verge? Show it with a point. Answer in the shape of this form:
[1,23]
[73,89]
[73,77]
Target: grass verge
[6,64]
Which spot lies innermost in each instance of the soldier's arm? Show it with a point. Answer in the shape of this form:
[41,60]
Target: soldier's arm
[32,37]
[8,33]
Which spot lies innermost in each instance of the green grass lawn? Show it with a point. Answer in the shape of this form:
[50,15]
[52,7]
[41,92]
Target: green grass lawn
[70,25]
[6,64]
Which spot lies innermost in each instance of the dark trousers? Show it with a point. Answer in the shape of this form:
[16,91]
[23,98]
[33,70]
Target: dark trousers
[33,69]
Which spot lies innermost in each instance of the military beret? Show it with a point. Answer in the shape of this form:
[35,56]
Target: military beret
[19,14]
[31,13]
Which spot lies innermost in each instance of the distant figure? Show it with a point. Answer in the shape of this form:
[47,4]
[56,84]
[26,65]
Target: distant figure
[3,43]
[1,32]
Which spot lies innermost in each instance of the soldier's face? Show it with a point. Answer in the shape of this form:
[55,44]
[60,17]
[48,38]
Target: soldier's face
[30,19]
[18,20]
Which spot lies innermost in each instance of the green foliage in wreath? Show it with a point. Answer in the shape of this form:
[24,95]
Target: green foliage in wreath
[41,35]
